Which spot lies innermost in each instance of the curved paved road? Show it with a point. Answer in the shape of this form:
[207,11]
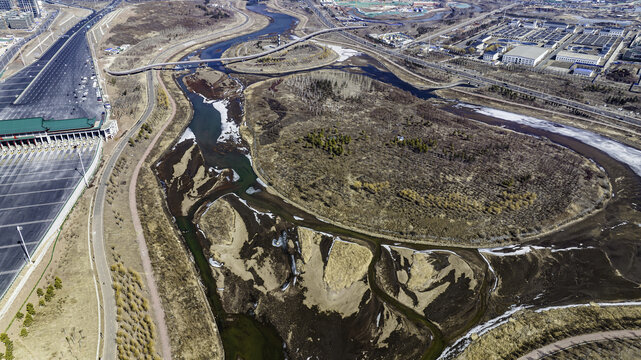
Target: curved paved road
[568,343]
[236,58]
[104,275]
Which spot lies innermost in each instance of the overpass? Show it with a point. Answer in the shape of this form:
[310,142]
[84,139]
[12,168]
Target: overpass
[236,58]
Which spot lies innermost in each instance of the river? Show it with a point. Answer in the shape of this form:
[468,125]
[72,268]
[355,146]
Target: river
[586,260]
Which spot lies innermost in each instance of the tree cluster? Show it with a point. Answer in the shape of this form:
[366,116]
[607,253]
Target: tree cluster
[8,346]
[332,142]
[621,75]
[510,94]
[370,187]
[415,144]
[621,100]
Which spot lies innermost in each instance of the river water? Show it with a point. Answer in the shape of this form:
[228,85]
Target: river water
[570,282]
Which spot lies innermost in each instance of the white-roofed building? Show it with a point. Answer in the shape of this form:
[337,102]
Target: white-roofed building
[525,55]
[578,58]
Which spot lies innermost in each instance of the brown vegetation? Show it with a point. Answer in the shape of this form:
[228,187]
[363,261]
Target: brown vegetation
[150,21]
[136,335]
[297,57]
[323,136]
[528,330]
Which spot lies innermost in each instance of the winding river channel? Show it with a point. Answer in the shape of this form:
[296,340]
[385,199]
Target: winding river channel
[596,259]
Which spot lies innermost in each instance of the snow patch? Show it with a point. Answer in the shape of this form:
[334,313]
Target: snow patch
[259,180]
[297,218]
[604,304]
[256,212]
[229,131]
[511,250]
[186,135]
[343,53]
[215,263]
[618,151]
[489,266]
[571,249]
[252,190]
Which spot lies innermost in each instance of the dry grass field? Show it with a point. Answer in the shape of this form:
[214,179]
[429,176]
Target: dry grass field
[298,57]
[382,160]
[527,330]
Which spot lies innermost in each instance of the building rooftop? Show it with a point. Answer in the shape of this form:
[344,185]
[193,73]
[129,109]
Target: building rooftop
[582,71]
[530,52]
[578,55]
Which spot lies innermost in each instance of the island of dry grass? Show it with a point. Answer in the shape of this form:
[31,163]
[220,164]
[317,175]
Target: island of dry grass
[379,159]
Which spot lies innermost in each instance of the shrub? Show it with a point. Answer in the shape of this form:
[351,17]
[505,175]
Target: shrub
[57,283]
[30,309]
[28,320]
[40,292]
[19,315]
[24,332]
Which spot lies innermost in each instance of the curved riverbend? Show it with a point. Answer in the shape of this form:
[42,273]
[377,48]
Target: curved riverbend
[206,127]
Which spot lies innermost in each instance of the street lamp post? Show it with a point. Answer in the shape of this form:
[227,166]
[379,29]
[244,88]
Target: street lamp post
[23,243]
[84,175]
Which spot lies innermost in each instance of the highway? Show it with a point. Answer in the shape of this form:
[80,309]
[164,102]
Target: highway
[59,85]
[476,77]
[236,58]
[104,275]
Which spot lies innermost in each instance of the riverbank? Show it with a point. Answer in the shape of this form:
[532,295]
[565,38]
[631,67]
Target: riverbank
[528,329]
[258,244]
[449,213]
[193,331]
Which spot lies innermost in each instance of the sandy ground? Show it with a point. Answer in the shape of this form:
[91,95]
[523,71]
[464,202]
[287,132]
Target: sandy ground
[338,285]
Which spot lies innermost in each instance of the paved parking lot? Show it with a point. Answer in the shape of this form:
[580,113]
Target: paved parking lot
[34,187]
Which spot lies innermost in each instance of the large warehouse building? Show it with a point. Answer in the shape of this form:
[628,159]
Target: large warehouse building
[525,55]
[587,59]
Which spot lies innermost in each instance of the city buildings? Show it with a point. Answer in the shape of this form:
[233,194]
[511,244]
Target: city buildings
[24,5]
[29,5]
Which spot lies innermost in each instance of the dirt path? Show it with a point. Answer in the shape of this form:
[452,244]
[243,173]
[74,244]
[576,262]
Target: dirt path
[568,343]
[156,304]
